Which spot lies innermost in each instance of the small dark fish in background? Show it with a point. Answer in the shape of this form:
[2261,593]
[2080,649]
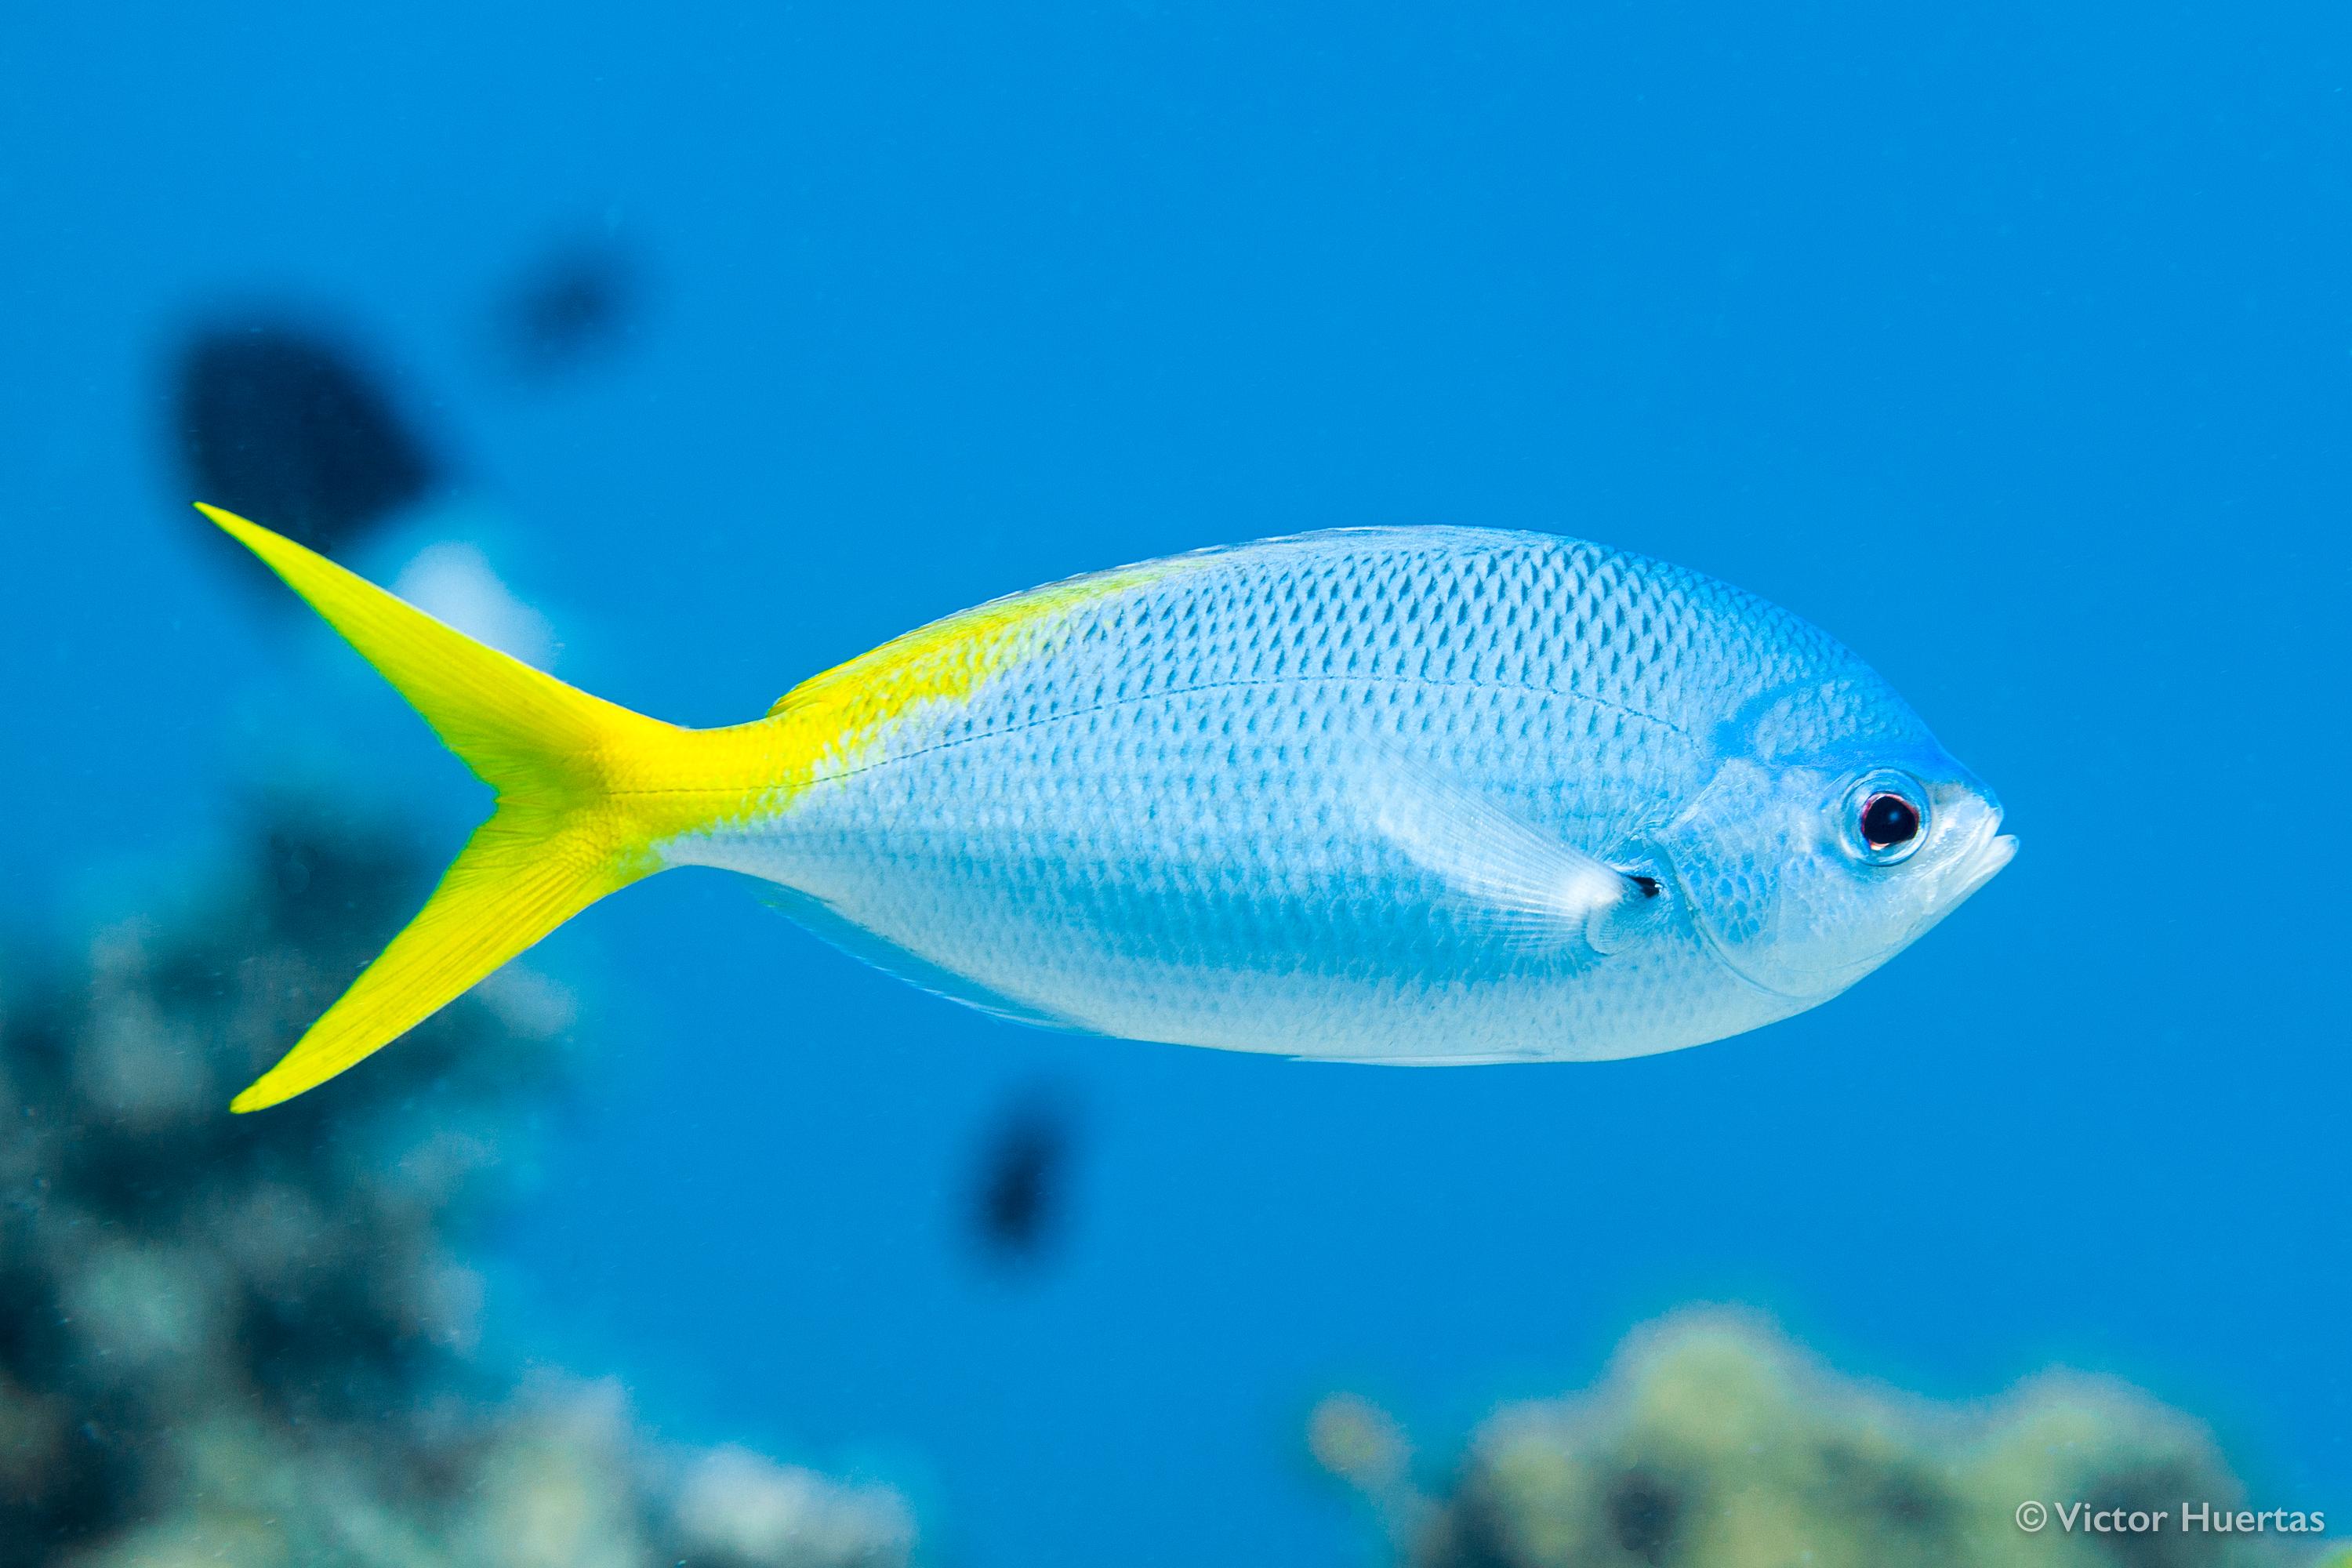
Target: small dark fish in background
[1022,1179]
[282,422]
[293,425]
[576,303]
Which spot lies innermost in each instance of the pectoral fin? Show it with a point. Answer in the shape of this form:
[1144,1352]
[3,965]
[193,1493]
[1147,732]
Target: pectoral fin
[1539,889]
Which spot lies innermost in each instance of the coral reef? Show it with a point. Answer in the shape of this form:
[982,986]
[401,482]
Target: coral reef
[1714,1443]
[247,1339]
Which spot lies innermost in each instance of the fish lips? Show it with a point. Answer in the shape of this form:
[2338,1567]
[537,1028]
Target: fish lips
[1997,851]
[1978,860]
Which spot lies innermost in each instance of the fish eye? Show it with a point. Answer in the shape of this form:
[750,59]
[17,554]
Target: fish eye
[1885,816]
[1888,820]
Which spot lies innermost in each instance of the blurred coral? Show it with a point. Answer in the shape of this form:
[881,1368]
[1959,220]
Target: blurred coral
[247,1339]
[1715,1443]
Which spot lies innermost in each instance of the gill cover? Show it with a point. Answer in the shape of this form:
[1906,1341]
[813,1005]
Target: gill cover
[1736,854]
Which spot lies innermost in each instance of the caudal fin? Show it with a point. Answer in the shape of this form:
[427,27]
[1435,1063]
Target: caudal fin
[585,789]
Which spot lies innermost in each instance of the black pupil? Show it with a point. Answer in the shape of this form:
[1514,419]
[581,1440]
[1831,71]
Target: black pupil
[1888,820]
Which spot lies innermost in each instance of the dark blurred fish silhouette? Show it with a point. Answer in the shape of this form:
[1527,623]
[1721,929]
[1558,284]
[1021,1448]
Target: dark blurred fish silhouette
[1022,1177]
[297,421]
[296,427]
[575,304]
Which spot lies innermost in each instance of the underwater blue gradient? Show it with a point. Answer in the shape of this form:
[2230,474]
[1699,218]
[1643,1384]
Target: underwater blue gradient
[2012,347]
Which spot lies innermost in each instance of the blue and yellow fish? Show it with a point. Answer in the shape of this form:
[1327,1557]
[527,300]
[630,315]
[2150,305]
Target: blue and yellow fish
[1425,794]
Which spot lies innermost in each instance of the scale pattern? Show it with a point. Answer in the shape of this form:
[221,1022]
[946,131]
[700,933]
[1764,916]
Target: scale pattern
[1150,819]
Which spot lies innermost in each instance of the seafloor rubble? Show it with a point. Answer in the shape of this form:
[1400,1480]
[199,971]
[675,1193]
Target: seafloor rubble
[1714,1443]
[247,1339]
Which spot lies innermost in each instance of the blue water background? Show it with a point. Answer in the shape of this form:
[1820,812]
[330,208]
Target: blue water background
[2010,344]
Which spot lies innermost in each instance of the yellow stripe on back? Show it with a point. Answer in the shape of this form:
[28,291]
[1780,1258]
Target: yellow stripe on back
[831,722]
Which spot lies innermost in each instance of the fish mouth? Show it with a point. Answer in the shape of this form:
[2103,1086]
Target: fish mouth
[1997,850]
[1987,851]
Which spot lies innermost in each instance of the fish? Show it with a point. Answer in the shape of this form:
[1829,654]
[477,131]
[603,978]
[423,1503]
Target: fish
[302,425]
[1022,1173]
[1424,796]
[289,421]
[575,303]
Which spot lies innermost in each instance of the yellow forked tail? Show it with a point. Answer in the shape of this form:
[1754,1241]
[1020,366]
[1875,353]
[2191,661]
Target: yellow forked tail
[586,790]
